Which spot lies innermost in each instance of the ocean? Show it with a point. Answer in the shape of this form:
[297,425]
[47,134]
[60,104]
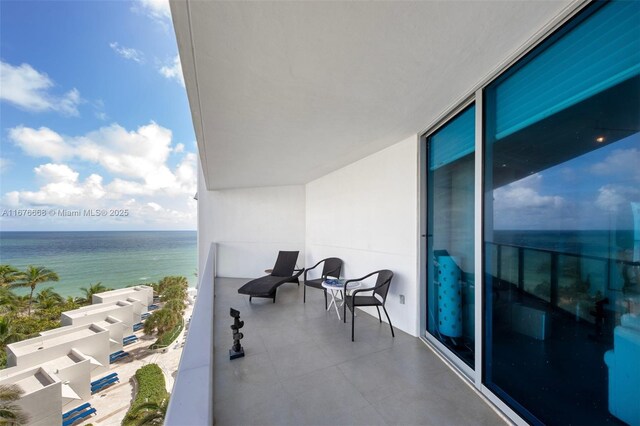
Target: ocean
[115,258]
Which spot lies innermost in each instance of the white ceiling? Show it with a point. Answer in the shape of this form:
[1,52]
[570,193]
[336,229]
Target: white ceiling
[282,93]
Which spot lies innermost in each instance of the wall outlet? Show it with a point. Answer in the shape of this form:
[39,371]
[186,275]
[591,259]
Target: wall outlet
[402,299]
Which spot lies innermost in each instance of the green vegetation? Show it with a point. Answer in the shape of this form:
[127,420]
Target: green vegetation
[11,413]
[167,322]
[23,317]
[93,289]
[151,399]
[33,276]
[167,338]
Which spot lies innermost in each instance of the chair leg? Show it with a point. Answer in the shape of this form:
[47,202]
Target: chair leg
[249,299]
[304,297]
[274,297]
[379,317]
[353,317]
[389,319]
[344,312]
[325,299]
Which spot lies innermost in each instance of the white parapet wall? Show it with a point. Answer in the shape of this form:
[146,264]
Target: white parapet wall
[120,311]
[42,398]
[142,294]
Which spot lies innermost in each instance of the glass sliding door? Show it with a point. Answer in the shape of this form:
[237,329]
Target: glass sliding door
[450,238]
[562,224]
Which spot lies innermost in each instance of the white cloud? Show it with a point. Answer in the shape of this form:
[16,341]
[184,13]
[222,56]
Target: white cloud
[155,206]
[26,88]
[621,162]
[173,70]
[42,142]
[525,194]
[612,197]
[128,52]
[523,205]
[61,187]
[158,10]
[139,175]
[137,159]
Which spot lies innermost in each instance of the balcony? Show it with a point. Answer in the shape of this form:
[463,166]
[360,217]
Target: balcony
[302,368]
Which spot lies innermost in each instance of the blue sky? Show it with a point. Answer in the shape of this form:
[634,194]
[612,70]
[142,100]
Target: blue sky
[592,191]
[94,115]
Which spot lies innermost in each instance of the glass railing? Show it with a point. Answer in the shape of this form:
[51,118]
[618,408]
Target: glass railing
[572,282]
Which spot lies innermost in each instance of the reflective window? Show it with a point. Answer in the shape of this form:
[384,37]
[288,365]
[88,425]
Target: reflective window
[562,224]
[450,253]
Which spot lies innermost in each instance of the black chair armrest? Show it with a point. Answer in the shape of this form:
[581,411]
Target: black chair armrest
[314,266]
[298,272]
[363,289]
[359,279]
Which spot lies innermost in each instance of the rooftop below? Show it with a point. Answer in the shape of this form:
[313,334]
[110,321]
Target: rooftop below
[34,382]
[49,340]
[95,309]
[302,368]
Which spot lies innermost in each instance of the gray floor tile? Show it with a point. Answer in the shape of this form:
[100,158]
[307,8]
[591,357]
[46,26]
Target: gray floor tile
[301,368]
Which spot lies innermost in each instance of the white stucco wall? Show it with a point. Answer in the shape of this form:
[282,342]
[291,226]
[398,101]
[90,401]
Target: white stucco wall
[250,226]
[141,294]
[59,342]
[366,214]
[42,402]
[121,311]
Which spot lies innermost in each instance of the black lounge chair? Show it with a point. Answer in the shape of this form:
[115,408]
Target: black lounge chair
[377,299]
[284,271]
[332,267]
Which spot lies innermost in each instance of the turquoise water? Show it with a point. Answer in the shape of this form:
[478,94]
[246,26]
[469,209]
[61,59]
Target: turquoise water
[115,258]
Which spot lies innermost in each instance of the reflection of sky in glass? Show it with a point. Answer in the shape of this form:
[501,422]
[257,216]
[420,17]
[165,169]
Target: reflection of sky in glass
[593,191]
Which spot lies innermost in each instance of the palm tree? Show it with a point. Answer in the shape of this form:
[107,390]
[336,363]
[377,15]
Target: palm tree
[93,289]
[11,413]
[8,300]
[7,333]
[175,305]
[174,292]
[171,281]
[149,413]
[48,298]
[161,321]
[8,274]
[71,303]
[33,276]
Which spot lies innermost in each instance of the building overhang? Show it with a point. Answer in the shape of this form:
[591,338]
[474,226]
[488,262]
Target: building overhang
[282,93]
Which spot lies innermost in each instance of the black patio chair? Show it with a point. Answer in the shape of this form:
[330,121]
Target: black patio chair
[332,267]
[283,271]
[377,299]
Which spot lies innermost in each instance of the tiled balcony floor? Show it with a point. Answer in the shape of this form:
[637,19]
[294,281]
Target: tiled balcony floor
[301,368]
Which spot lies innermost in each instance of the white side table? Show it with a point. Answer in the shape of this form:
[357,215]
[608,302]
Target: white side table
[336,289]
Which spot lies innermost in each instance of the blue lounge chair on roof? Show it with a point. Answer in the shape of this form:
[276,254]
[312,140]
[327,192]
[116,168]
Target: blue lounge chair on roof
[76,410]
[105,378]
[80,416]
[98,387]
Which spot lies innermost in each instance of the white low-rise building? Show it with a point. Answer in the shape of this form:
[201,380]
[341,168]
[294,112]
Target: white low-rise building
[140,296]
[41,400]
[91,340]
[55,369]
[117,317]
